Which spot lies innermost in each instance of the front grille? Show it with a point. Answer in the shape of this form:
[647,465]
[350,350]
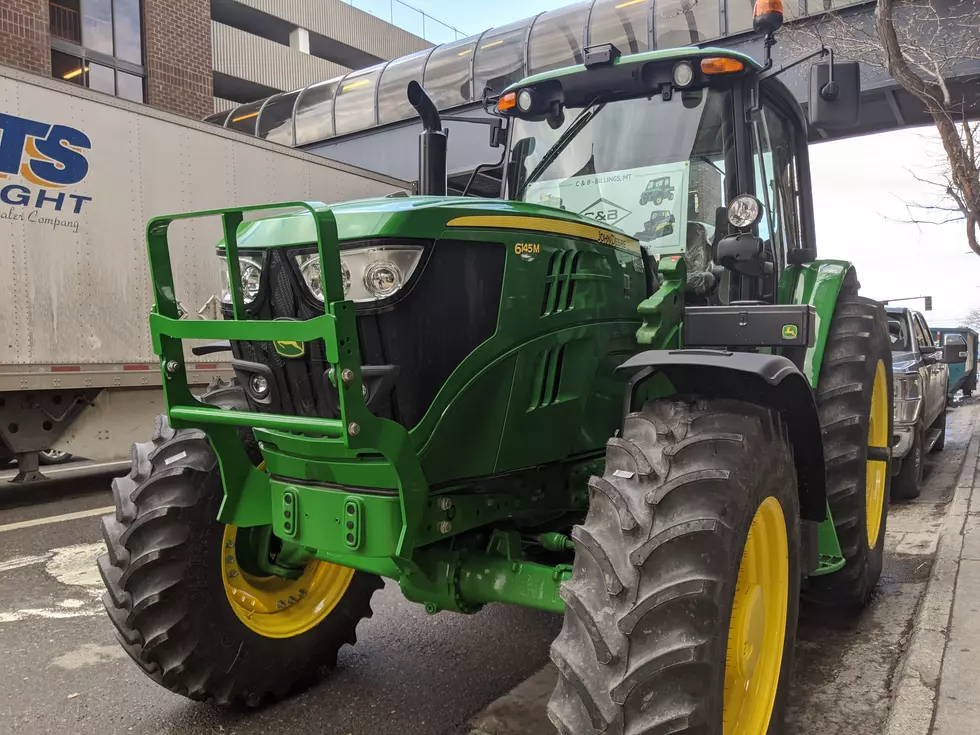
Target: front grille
[445,312]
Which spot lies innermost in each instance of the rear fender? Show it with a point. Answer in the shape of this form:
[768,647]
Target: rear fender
[767,380]
[818,284]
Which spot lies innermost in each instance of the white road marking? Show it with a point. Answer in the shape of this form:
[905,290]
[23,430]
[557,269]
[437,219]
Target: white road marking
[22,561]
[75,469]
[48,614]
[73,566]
[58,519]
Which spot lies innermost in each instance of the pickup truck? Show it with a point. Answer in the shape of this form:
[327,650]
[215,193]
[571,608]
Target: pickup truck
[921,374]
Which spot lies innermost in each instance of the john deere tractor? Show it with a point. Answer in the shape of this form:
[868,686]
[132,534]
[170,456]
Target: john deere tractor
[499,401]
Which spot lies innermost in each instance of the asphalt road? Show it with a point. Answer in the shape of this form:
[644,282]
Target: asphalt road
[62,671]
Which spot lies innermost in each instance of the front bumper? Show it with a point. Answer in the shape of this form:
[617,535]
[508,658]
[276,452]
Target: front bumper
[902,440]
[308,444]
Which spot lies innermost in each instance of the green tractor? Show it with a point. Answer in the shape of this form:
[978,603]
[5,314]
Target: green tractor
[497,401]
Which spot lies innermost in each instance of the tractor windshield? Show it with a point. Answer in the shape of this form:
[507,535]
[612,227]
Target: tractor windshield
[654,169]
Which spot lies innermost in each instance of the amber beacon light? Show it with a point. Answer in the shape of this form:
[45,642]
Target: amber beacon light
[767,17]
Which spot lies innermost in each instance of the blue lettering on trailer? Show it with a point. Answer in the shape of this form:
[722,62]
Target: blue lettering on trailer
[45,155]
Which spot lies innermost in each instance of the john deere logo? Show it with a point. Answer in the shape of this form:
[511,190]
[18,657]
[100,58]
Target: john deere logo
[790,331]
[292,350]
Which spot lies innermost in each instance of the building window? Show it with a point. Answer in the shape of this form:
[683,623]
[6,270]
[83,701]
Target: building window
[66,21]
[127,33]
[68,68]
[97,25]
[101,78]
[129,86]
[98,44]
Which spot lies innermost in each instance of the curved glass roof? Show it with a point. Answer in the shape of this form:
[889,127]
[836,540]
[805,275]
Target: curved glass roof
[456,73]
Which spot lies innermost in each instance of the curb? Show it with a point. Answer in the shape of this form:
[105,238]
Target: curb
[916,684]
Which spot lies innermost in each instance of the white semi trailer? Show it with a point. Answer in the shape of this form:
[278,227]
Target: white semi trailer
[81,173]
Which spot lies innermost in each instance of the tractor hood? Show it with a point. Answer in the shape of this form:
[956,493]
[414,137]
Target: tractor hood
[394,217]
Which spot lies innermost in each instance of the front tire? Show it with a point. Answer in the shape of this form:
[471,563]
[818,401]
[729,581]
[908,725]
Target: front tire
[183,605]
[907,483]
[681,612]
[854,405]
[940,444]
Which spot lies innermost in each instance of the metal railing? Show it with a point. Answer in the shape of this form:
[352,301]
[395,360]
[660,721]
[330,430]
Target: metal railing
[65,23]
[410,19]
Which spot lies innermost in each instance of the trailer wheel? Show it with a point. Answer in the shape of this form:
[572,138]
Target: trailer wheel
[854,404]
[681,612]
[184,605]
[51,457]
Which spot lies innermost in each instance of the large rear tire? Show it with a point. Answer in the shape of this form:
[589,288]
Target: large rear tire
[854,404]
[184,607]
[682,608]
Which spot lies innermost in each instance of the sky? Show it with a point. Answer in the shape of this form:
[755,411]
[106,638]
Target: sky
[861,186]
[469,16]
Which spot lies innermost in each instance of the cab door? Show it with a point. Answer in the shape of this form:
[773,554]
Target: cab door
[934,374]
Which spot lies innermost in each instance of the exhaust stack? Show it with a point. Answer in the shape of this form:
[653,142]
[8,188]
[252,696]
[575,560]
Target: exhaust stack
[432,143]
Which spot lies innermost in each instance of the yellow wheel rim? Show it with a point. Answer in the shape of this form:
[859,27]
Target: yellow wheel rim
[757,631]
[281,608]
[877,470]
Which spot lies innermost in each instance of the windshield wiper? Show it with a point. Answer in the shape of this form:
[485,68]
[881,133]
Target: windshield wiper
[583,119]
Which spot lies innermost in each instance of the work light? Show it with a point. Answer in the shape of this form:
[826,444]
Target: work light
[525,100]
[744,211]
[683,74]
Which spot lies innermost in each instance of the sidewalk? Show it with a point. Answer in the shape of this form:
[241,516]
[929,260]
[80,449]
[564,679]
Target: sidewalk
[958,706]
[937,687]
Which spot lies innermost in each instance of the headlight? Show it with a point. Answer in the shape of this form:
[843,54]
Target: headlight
[368,274]
[251,270]
[908,398]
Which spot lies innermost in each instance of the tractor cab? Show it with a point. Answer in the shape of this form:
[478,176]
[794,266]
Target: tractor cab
[619,133]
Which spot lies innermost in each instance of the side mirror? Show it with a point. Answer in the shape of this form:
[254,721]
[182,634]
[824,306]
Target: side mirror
[743,254]
[835,91]
[931,355]
[556,118]
[523,148]
[954,354]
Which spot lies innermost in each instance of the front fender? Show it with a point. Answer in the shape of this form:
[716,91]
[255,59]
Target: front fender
[771,381]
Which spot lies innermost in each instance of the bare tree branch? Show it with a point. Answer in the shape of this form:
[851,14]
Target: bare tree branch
[972,319]
[922,48]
